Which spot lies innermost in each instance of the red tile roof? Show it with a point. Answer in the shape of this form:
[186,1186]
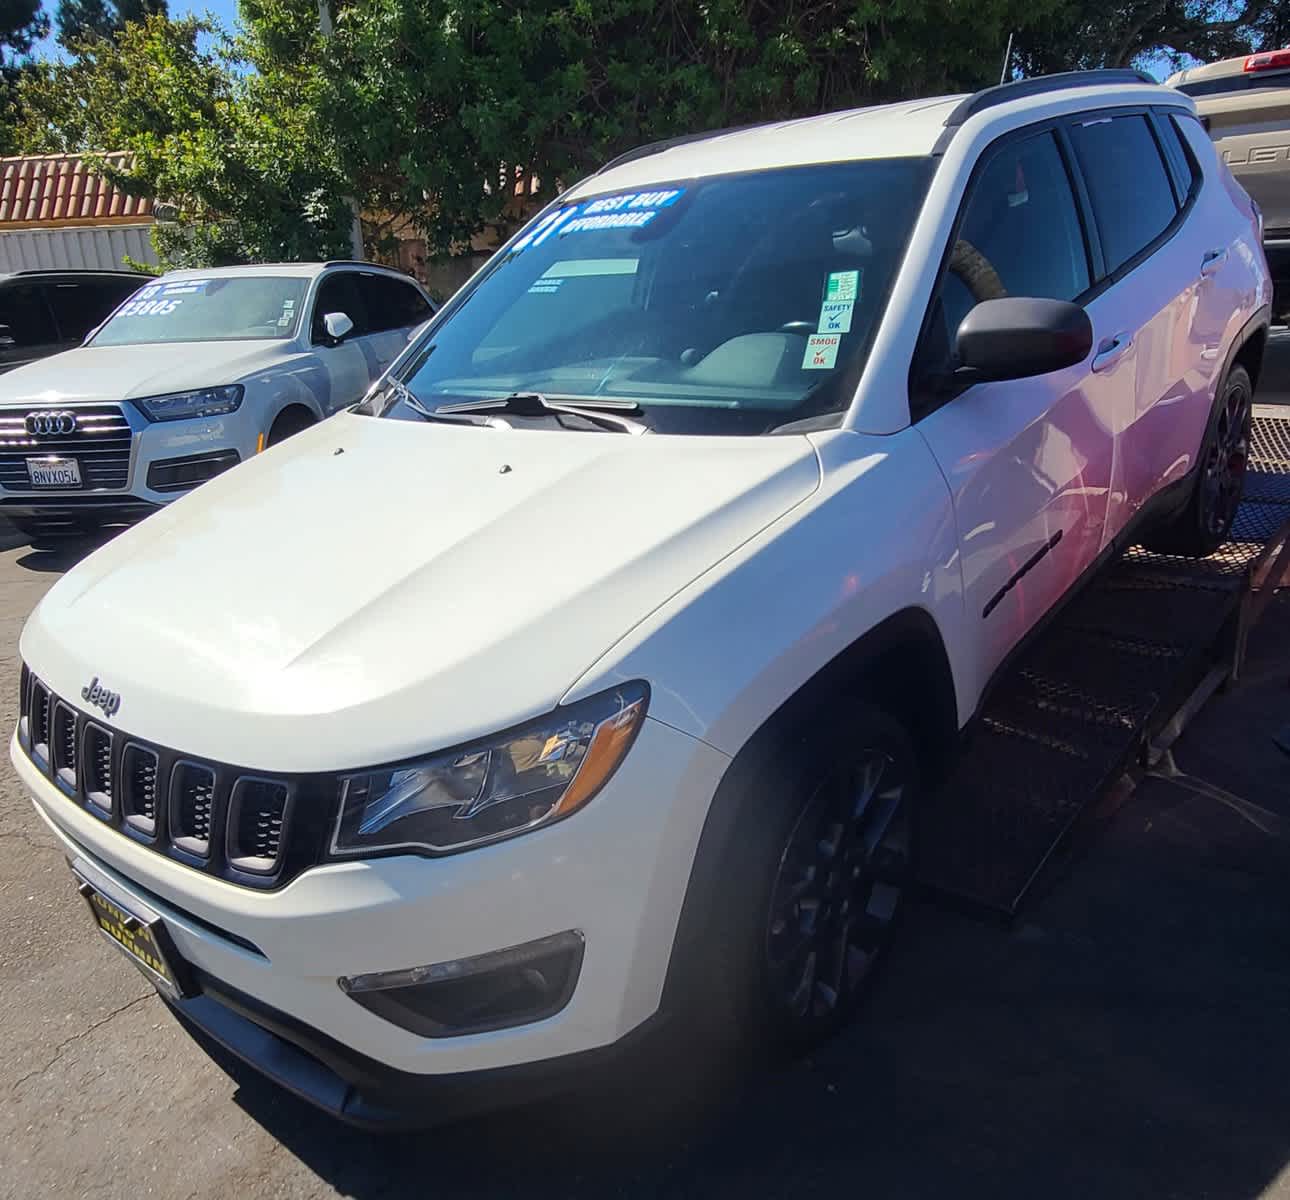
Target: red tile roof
[60,189]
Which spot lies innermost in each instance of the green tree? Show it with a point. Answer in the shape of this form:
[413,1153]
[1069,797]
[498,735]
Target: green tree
[1080,34]
[22,25]
[80,20]
[237,158]
[440,106]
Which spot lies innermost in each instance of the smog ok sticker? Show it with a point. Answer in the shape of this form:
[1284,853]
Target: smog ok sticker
[821,351]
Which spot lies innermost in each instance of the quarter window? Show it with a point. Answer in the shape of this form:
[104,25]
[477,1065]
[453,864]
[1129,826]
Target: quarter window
[1128,185]
[1020,236]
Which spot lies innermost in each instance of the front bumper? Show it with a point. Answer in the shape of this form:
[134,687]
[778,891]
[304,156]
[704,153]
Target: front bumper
[361,1091]
[119,497]
[617,873]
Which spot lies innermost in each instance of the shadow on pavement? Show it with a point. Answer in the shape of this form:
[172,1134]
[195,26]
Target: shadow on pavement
[1128,1037]
[61,556]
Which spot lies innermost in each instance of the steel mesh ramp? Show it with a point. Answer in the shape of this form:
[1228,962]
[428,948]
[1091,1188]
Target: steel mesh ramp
[1078,706]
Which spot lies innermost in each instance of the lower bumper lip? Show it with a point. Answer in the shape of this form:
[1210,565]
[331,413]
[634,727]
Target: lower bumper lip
[363,1092]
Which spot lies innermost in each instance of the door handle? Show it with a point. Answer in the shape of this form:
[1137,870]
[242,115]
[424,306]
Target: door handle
[1112,350]
[1213,260]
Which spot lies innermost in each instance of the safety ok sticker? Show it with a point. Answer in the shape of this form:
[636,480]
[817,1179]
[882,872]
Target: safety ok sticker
[835,316]
[821,351]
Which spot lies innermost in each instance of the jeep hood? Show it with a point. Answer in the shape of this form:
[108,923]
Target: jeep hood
[374,589]
[108,373]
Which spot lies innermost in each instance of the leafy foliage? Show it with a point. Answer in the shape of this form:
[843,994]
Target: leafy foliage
[79,20]
[1113,33]
[453,117]
[238,157]
[22,24]
[440,94]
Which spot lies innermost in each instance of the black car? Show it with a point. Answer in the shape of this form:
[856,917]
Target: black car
[46,312]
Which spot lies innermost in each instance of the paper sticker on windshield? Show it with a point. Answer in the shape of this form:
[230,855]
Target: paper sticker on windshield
[821,351]
[545,287]
[843,285]
[835,316]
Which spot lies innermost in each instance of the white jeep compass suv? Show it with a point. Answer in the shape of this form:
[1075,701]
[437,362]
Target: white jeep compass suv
[196,371]
[589,673]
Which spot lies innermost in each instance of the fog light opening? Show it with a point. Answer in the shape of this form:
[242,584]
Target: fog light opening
[498,990]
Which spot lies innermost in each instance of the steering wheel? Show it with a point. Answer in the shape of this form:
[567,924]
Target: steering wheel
[805,328]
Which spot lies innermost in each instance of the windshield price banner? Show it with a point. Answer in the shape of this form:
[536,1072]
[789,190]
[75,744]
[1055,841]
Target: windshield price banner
[632,210]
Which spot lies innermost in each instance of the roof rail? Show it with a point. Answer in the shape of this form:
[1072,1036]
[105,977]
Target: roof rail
[1021,88]
[81,271]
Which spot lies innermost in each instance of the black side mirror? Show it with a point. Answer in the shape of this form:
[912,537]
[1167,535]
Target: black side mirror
[1017,337]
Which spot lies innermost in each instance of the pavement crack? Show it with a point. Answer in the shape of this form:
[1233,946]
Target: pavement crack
[67,1042]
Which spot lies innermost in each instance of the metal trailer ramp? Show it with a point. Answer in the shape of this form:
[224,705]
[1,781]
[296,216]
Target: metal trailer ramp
[1078,710]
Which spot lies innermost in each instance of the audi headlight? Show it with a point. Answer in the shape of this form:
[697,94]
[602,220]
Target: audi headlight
[528,777]
[204,402]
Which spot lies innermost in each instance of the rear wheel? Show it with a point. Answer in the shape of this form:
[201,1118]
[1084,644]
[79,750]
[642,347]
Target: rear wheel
[1206,519]
[824,856]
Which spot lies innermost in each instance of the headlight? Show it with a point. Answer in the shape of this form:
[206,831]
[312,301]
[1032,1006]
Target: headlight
[205,402]
[495,788]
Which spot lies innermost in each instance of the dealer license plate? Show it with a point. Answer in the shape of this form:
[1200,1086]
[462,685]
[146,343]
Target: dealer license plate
[54,472]
[142,939]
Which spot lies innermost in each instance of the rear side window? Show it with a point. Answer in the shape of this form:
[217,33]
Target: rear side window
[1128,185]
[1020,236]
[80,304]
[391,303]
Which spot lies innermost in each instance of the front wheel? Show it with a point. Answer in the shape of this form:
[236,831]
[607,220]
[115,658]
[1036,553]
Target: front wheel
[823,859]
[1205,521]
[288,423]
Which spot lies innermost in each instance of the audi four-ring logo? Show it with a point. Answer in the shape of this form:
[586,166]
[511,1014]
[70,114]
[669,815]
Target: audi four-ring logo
[45,423]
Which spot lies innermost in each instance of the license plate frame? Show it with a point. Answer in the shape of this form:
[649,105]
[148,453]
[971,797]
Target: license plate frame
[55,471]
[138,933]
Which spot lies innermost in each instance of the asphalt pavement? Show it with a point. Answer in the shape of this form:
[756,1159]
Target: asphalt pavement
[1128,1036]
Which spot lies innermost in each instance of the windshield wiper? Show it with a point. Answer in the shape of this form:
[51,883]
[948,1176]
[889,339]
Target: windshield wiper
[604,413]
[429,414]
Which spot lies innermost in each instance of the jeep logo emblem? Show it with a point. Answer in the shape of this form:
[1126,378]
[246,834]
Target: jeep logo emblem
[96,694]
[51,421]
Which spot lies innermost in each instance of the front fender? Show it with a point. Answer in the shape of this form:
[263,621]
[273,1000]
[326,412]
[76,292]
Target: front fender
[878,537]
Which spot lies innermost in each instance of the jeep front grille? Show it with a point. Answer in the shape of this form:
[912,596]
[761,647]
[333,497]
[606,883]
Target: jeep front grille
[239,824]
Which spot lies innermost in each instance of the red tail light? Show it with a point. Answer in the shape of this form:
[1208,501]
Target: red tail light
[1270,60]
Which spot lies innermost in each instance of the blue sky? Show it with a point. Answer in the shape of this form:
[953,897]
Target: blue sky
[224,11]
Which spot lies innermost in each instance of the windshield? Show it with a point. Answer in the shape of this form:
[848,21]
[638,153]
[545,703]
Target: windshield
[204,310]
[736,304]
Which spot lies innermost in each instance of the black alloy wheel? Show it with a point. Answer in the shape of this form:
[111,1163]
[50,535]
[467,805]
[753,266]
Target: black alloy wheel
[1223,472]
[841,878]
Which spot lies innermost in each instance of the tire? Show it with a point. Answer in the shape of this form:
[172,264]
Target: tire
[1205,520]
[288,422]
[822,857]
